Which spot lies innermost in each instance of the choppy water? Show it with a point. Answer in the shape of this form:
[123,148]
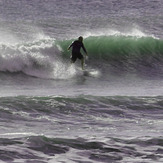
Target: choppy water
[50,111]
[81,129]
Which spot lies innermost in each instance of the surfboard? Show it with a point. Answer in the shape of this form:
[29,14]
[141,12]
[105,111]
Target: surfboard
[88,72]
[91,72]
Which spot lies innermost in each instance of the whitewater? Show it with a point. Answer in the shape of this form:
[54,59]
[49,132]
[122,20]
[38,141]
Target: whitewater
[53,112]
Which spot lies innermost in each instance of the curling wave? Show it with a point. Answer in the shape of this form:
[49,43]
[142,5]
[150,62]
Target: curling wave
[49,58]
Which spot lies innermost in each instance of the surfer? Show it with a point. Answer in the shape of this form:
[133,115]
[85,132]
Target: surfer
[76,46]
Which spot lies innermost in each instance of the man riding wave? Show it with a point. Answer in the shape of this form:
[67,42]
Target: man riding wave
[76,46]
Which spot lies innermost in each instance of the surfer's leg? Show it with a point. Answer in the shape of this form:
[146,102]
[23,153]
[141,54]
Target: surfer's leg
[82,63]
[73,58]
[80,56]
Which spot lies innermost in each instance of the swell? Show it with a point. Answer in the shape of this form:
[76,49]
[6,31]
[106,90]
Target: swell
[38,127]
[24,106]
[43,149]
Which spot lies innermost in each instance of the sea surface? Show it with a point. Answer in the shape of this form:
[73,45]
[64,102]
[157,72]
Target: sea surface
[53,112]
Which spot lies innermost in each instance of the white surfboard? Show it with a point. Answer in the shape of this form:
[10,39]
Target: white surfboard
[91,72]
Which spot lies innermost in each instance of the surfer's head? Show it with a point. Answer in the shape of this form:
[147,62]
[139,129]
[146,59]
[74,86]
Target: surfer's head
[80,38]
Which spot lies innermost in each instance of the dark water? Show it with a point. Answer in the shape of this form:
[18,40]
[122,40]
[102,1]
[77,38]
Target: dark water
[50,111]
[81,129]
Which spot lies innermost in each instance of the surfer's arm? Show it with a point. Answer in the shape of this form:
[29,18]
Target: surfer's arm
[70,46]
[84,49]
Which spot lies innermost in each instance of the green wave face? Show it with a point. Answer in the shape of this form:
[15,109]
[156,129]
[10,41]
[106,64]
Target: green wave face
[119,47]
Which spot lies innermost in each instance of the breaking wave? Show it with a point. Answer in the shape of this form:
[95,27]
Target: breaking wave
[49,58]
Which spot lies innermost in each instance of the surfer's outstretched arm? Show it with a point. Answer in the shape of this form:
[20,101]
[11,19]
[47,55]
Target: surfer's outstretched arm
[69,47]
[84,49]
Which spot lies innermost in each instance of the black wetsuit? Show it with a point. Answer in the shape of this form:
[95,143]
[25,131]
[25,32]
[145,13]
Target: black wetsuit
[76,46]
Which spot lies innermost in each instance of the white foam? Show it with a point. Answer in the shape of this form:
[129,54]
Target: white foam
[135,32]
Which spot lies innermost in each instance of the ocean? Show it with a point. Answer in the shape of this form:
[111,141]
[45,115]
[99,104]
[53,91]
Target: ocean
[53,112]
